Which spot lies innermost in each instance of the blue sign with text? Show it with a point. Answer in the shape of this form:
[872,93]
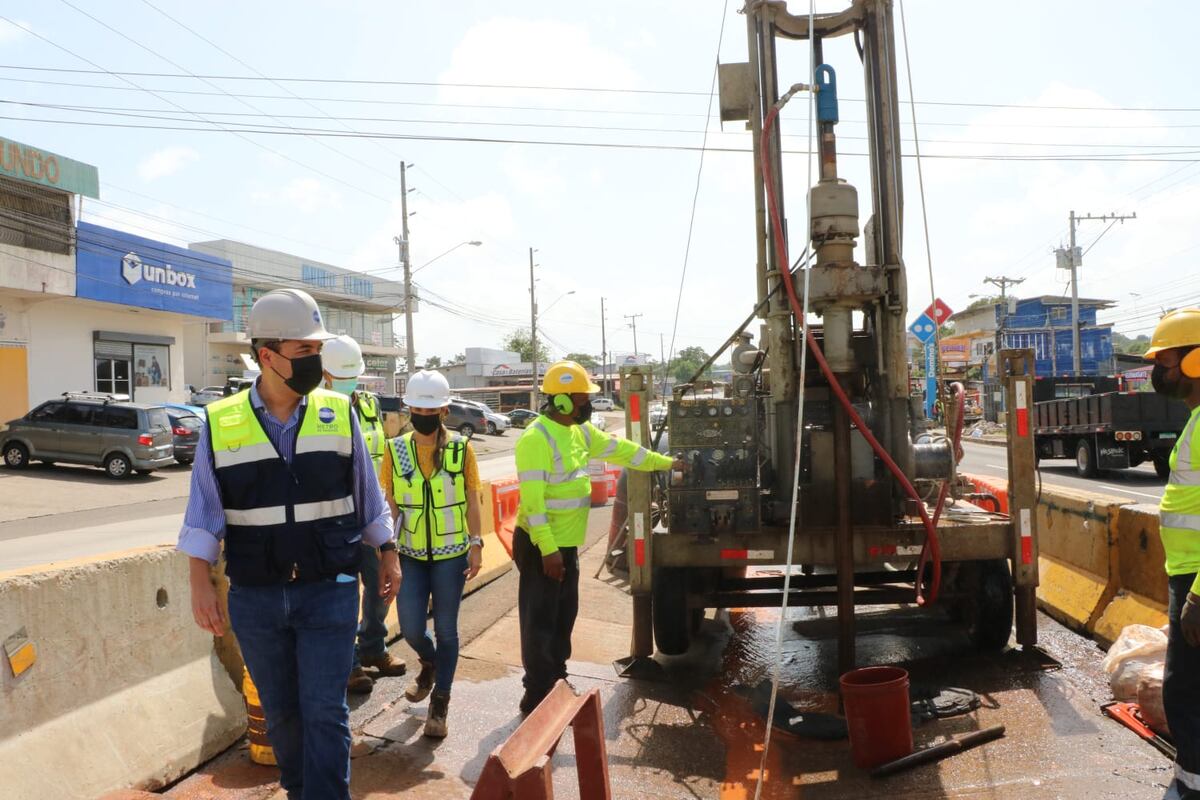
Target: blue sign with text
[118,267]
[931,384]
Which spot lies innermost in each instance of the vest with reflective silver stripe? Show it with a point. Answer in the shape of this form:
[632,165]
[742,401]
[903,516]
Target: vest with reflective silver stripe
[284,522]
[369,422]
[434,509]
[1179,510]
[567,489]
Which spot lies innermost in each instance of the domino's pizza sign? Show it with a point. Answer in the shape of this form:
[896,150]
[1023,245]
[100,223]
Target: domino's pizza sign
[923,328]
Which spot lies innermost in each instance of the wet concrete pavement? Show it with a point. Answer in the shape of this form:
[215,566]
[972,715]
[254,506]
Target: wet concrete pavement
[697,734]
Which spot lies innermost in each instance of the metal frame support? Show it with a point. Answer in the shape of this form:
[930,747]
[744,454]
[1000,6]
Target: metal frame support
[1018,370]
[636,383]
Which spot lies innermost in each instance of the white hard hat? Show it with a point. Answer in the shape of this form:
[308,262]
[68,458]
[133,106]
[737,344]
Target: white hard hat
[286,314]
[342,358]
[427,389]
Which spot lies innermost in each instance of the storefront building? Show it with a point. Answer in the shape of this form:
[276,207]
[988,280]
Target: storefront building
[352,303]
[39,193]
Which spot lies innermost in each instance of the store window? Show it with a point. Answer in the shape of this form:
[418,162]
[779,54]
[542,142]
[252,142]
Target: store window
[114,367]
[151,366]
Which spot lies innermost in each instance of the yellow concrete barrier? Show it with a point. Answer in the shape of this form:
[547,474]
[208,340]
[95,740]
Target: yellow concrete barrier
[125,691]
[1142,594]
[1078,555]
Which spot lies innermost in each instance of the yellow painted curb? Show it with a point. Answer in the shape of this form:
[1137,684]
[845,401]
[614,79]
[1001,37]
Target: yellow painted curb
[1128,608]
[1071,595]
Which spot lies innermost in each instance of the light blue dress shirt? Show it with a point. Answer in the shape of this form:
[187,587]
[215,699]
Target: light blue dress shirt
[204,521]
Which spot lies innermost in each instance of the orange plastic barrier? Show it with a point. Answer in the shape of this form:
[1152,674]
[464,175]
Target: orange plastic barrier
[506,498]
[993,486]
[519,769]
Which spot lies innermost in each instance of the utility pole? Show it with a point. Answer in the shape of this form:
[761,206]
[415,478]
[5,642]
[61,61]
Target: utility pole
[1003,283]
[633,325]
[1073,259]
[662,356]
[533,335]
[406,260]
[603,352]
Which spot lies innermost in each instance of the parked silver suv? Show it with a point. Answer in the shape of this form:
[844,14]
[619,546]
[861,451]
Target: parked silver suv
[99,430]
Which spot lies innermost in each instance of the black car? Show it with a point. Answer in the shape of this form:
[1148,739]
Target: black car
[521,417]
[467,420]
[186,430]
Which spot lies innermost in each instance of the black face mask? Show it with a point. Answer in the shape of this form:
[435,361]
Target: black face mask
[1169,382]
[307,373]
[426,423]
[583,413]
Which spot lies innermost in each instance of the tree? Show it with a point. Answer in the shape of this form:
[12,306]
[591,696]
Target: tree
[433,362]
[518,341]
[687,362]
[459,358]
[584,360]
[990,300]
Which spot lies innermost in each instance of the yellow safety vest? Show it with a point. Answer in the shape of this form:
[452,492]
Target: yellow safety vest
[1179,510]
[286,521]
[433,511]
[371,425]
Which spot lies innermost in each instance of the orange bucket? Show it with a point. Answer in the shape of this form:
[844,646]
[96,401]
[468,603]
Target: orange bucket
[878,714]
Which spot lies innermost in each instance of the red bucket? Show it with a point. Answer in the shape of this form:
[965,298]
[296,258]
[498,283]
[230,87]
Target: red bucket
[599,492]
[878,714]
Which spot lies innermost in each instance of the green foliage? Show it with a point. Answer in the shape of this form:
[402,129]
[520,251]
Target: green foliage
[519,342]
[1123,344]
[584,360]
[990,300]
[433,362]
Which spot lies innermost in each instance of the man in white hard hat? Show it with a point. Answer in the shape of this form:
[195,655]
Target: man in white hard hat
[343,363]
[283,478]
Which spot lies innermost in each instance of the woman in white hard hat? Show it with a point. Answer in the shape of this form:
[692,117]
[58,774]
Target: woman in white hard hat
[342,361]
[431,481]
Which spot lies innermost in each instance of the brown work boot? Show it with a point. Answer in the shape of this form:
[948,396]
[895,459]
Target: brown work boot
[435,720]
[420,688]
[387,666]
[360,682]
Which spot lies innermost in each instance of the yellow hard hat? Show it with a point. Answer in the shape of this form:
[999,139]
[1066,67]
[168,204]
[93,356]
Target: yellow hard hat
[1178,329]
[567,377]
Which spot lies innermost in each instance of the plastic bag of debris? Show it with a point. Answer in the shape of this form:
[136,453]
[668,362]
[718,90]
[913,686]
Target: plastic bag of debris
[1150,698]
[1137,649]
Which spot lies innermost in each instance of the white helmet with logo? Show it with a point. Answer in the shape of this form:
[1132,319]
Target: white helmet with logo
[286,314]
[342,358]
[427,389]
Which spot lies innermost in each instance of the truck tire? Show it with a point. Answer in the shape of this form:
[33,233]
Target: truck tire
[1162,467]
[672,622]
[1085,459]
[986,611]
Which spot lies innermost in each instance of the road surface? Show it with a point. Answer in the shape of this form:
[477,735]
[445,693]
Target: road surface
[1139,485]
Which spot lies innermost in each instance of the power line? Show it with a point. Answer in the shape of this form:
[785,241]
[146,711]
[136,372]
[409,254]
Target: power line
[553,88]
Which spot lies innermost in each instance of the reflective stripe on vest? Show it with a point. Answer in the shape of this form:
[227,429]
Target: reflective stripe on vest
[435,506]
[1182,473]
[367,407]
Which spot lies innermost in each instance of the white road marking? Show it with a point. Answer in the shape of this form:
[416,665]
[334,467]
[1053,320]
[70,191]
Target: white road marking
[1130,491]
[997,466]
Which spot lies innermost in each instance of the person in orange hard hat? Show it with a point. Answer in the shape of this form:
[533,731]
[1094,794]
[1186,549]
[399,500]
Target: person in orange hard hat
[1175,351]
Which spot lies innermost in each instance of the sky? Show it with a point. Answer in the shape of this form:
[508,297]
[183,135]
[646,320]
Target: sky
[1021,117]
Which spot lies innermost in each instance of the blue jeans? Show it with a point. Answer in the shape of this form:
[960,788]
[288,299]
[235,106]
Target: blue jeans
[297,641]
[444,580]
[372,630]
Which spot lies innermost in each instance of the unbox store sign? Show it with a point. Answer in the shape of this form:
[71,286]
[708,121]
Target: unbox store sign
[117,267]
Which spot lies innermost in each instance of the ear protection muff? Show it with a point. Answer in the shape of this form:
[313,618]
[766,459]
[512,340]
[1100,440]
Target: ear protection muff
[563,404]
[1190,365]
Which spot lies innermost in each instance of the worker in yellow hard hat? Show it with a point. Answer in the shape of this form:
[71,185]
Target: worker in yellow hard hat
[1175,351]
[552,459]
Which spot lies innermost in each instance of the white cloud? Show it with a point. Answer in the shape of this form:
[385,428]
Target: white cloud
[13,31]
[166,161]
[306,195]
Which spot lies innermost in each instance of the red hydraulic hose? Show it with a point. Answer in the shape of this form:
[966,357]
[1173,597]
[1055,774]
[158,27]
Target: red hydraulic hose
[931,552]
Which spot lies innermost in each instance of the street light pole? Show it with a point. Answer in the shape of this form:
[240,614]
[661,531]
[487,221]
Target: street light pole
[603,352]
[405,250]
[533,356]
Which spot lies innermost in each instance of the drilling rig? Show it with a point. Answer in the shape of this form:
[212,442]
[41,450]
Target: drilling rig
[869,505]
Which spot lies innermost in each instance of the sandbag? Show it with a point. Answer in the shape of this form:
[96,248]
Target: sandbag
[1150,698]
[1138,648]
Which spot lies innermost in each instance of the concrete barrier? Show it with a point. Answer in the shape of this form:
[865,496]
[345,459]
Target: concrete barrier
[1142,583]
[125,692]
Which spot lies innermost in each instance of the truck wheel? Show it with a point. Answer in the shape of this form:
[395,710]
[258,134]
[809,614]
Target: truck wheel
[987,609]
[1162,467]
[672,622]
[1085,459]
